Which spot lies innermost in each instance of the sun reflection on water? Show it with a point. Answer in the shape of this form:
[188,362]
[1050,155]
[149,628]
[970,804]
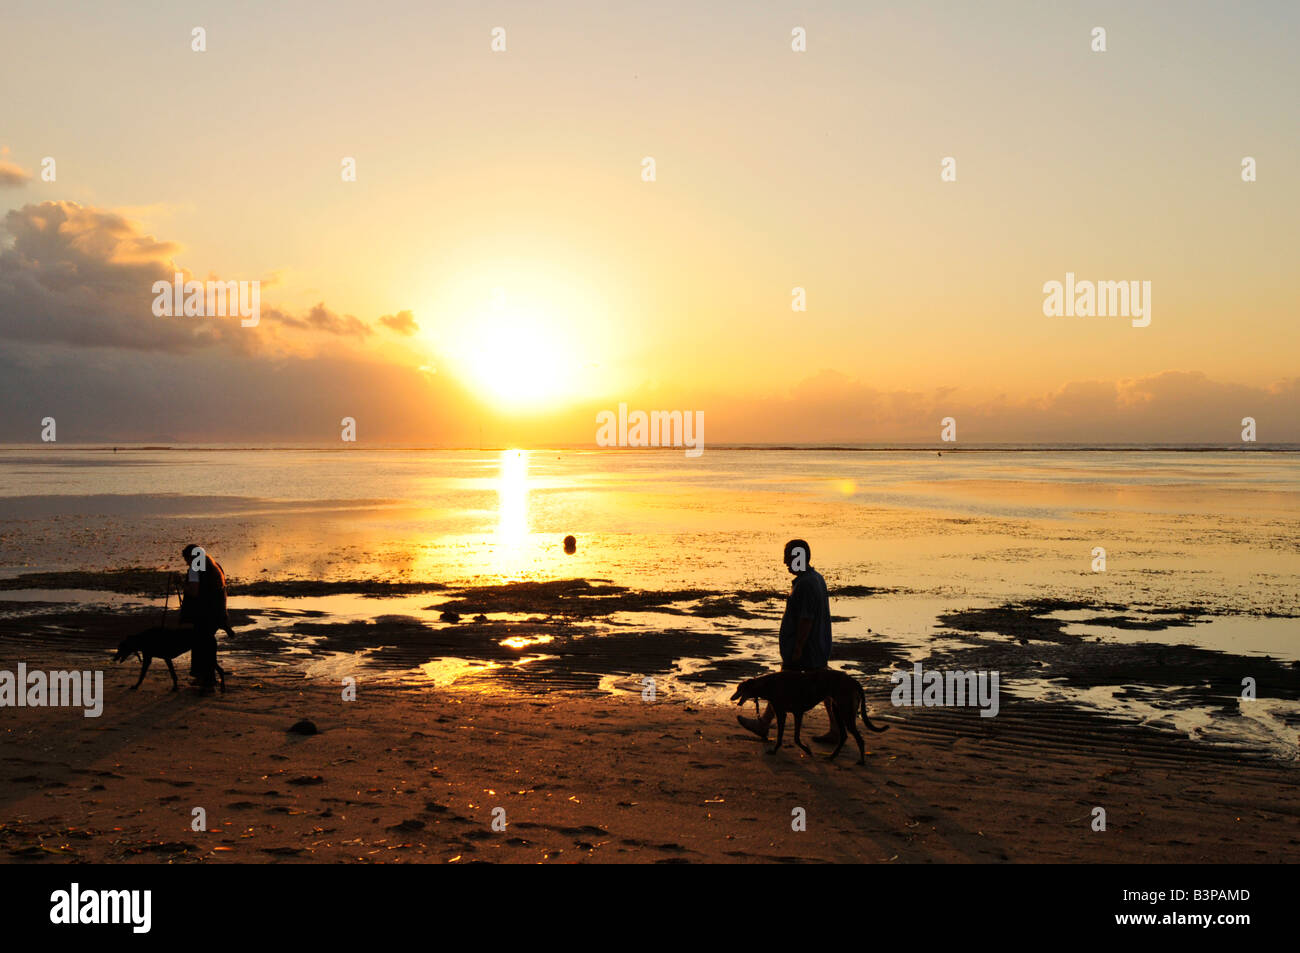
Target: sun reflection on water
[512,492]
[526,641]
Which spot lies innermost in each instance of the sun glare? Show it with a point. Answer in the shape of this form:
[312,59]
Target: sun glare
[517,359]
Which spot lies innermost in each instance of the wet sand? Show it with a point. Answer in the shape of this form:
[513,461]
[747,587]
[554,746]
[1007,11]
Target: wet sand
[414,775]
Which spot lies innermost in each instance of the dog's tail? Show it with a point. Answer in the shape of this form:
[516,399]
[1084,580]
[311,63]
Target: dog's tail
[862,704]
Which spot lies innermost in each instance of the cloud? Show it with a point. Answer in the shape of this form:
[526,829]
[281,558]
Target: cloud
[321,318]
[82,344]
[403,322]
[84,277]
[110,395]
[11,174]
[1172,406]
[81,276]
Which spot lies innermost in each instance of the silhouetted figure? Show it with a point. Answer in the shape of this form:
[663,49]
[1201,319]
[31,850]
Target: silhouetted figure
[805,637]
[203,605]
[570,545]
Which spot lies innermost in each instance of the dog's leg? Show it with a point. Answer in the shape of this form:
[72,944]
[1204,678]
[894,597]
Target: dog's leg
[780,730]
[143,668]
[862,749]
[171,670]
[843,724]
[221,674]
[798,723]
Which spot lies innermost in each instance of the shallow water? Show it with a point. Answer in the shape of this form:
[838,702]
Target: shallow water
[1214,528]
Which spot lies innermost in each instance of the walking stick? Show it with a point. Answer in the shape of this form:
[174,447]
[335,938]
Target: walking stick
[166,598]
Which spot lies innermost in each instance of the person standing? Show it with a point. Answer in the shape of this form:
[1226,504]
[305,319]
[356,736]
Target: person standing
[203,605]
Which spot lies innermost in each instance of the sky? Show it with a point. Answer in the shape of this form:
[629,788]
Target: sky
[502,271]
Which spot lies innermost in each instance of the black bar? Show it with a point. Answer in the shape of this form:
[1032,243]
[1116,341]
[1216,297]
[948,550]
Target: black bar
[306,903]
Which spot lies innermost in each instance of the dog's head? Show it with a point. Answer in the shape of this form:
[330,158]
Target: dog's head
[126,648]
[752,688]
[135,644]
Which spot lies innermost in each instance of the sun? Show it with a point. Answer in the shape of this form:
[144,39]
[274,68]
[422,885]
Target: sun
[517,358]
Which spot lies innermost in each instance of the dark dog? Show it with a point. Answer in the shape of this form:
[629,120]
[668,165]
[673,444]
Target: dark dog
[799,691]
[161,643]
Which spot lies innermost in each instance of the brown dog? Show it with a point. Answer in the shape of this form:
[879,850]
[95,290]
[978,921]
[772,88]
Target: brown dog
[798,691]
